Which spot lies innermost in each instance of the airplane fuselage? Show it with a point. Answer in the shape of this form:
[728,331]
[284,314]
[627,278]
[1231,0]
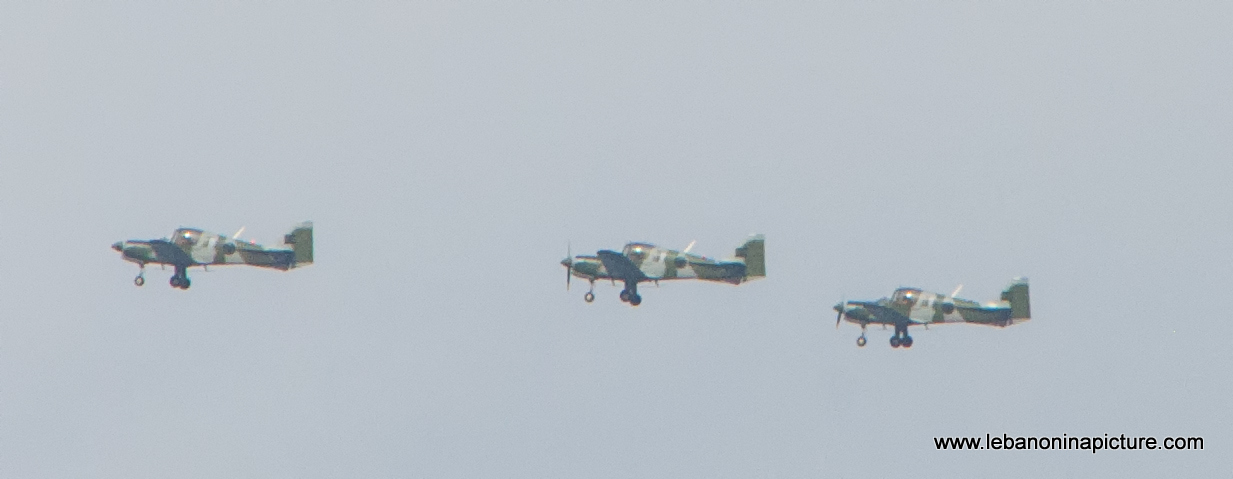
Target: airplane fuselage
[191,247]
[911,307]
[642,262]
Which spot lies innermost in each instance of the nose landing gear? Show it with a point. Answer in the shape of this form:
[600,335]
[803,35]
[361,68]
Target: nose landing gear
[590,296]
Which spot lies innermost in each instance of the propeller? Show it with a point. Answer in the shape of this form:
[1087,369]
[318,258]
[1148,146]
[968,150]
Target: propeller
[569,264]
[236,236]
[843,309]
[691,246]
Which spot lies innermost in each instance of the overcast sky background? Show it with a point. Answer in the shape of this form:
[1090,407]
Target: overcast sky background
[448,152]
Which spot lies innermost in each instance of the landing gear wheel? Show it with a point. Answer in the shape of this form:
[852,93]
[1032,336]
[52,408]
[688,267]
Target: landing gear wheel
[139,281]
[894,341]
[588,297]
[185,283]
[635,300]
[907,341]
[860,342]
[175,281]
[625,296]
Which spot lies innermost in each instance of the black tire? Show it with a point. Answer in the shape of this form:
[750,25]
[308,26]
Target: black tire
[589,297]
[625,296]
[139,281]
[175,281]
[907,341]
[860,342]
[635,300]
[894,341]
[186,283]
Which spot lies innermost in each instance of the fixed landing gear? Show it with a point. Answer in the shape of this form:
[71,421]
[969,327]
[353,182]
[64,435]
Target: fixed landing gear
[141,276]
[180,278]
[861,341]
[590,296]
[901,337]
[182,283]
[630,294]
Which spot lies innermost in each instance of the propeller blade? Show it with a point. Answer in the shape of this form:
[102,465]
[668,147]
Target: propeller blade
[569,266]
[236,236]
[842,309]
[960,288]
[691,246]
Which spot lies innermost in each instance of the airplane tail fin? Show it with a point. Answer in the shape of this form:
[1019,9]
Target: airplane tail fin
[1017,295]
[754,254]
[301,241]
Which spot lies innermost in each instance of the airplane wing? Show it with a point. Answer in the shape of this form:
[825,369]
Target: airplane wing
[169,253]
[620,267]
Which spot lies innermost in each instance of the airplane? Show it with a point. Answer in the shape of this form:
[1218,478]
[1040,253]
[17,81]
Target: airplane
[911,307]
[189,247]
[645,262]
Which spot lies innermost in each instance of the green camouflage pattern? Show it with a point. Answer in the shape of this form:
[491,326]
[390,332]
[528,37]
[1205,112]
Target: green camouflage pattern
[189,247]
[912,307]
[642,262]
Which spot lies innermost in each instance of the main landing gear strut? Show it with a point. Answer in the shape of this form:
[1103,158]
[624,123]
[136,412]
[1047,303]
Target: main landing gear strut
[630,293]
[860,342]
[901,337]
[180,278]
[141,276]
[590,296]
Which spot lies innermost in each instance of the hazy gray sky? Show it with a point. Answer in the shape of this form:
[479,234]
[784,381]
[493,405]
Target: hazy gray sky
[447,152]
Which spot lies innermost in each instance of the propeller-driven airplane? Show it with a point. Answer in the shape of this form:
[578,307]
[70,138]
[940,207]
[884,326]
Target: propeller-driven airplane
[189,247]
[912,307]
[643,262]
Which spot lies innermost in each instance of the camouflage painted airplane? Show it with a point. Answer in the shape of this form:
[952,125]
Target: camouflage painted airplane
[911,307]
[189,247]
[643,262]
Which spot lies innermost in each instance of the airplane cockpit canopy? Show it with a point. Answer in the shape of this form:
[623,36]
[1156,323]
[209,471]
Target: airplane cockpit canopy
[637,251]
[186,237]
[906,295]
